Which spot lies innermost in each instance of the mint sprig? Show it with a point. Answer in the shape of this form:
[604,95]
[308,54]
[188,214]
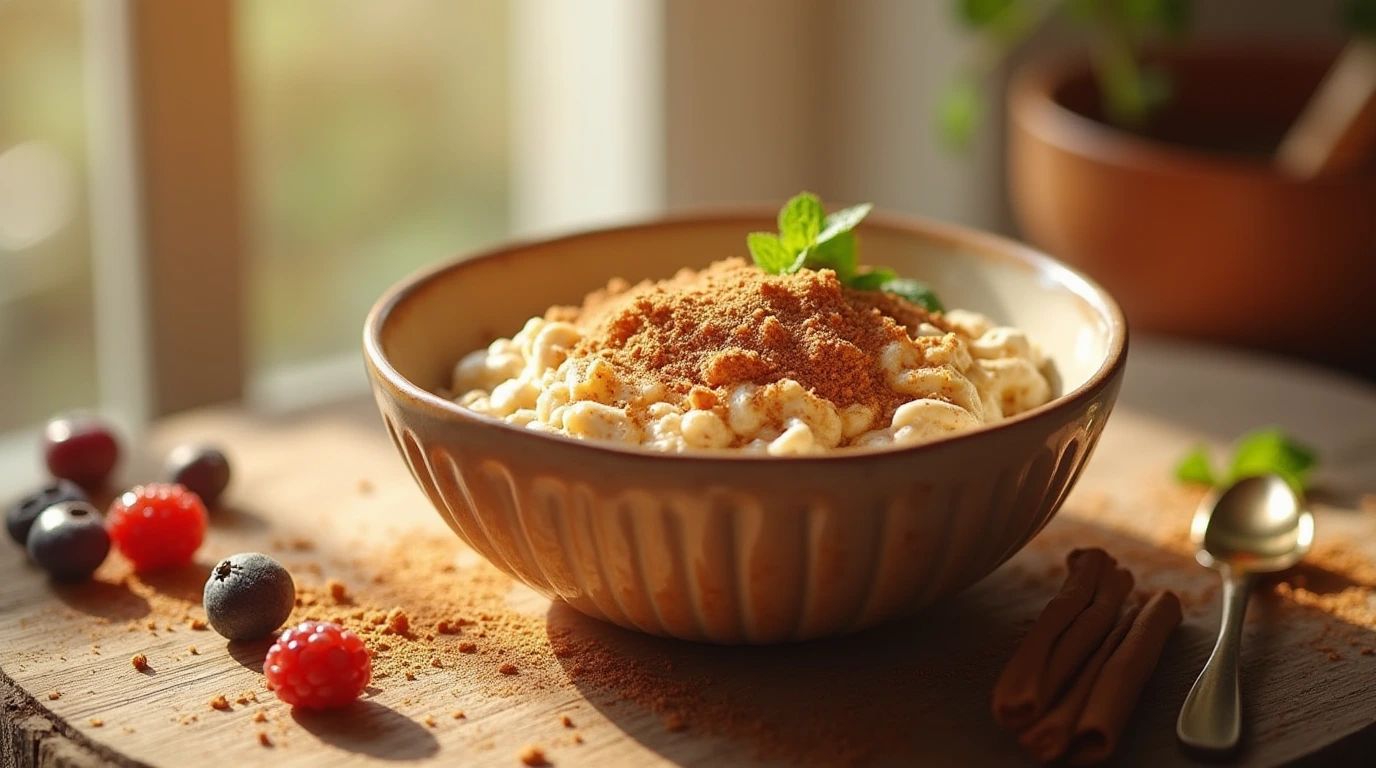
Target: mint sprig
[809,237]
[1262,451]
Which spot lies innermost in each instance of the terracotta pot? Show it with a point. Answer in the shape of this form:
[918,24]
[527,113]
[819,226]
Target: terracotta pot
[1189,224]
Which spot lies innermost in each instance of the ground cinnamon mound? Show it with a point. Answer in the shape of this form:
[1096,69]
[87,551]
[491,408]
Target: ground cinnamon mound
[731,323]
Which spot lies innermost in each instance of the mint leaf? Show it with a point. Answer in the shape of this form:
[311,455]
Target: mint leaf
[844,221]
[800,222]
[1270,451]
[837,253]
[872,280]
[980,13]
[768,252]
[1195,467]
[914,291]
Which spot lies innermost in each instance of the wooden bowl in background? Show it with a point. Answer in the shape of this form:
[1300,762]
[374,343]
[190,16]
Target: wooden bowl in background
[1190,225]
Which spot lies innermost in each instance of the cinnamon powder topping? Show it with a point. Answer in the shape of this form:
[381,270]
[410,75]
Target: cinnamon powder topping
[731,323]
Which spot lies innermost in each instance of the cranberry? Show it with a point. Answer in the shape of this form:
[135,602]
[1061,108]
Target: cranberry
[203,469]
[80,448]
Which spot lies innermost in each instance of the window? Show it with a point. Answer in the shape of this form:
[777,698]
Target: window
[47,337]
[375,140]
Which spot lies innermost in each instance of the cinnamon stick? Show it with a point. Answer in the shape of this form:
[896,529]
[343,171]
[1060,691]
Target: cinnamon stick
[1079,641]
[1021,694]
[1048,738]
[1115,691]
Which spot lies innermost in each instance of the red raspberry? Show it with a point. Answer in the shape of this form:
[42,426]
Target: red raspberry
[318,665]
[157,526]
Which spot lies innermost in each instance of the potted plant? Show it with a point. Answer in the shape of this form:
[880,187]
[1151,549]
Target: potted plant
[1183,178]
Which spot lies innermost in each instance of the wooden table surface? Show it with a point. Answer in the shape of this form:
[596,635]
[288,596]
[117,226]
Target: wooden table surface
[915,691]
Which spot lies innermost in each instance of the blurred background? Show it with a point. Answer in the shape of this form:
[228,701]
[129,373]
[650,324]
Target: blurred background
[200,201]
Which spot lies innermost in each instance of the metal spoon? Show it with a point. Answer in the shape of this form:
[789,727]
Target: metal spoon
[1258,525]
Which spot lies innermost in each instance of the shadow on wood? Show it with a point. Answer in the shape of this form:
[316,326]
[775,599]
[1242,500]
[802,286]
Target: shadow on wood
[250,653]
[372,729]
[115,602]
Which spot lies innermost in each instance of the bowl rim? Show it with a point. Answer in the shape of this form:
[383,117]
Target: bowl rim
[980,244]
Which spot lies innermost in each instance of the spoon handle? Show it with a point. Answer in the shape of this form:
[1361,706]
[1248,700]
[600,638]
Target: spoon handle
[1211,717]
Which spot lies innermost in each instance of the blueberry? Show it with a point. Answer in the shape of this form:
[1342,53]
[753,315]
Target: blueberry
[20,515]
[69,541]
[248,596]
[80,448]
[203,469]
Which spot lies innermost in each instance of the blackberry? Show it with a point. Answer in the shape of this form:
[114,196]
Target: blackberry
[69,541]
[248,596]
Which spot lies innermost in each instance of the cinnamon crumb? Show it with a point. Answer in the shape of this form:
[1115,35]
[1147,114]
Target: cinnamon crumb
[1334,656]
[191,649]
[410,675]
[219,702]
[259,717]
[263,739]
[533,755]
[246,697]
[338,592]
[459,715]
[468,647]
[398,622]
[577,738]
[140,662]
[435,661]
[197,624]
[96,722]
[508,669]
[54,695]
[566,720]
[1367,651]
[674,722]
[429,720]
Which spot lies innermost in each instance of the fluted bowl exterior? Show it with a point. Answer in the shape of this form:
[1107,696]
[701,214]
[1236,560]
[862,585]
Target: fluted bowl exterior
[714,546]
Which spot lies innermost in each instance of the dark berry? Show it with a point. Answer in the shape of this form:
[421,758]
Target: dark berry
[248,596]
[69,541]
[80,448]
[21,514]
[318,665]
[204,470]
[157,526]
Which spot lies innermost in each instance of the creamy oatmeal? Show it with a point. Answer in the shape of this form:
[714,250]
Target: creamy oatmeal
[732,358]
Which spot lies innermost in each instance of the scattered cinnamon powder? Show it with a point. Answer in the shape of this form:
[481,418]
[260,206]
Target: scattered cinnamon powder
[459,715]
[259,717]
[140,662]
[197,624]
[533,755]
[96,722]
[263,739]
[219,702]
[566,720]
[700,333]
[398,622]
[468,647]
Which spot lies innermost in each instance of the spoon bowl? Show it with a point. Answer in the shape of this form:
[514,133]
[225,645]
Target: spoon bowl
[1257,525]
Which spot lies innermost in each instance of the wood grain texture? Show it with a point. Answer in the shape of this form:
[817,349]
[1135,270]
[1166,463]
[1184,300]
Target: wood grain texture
[918,687]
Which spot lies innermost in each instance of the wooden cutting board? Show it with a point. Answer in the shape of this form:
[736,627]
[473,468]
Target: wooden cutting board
[325,486]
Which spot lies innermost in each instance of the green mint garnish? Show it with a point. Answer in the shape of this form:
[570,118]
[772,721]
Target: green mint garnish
[810,238]
[1262,451]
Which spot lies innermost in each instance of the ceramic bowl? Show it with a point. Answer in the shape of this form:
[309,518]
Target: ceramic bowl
[731,548]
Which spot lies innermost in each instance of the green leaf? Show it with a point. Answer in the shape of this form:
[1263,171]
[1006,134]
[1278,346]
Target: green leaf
[1270,451]
[1359,18]
[843,221]
[1195,467]
[959,113]
[1169,16]
[977,14]
[800,222]
[838,253]
[914,291]
[768,252]
[872,280]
